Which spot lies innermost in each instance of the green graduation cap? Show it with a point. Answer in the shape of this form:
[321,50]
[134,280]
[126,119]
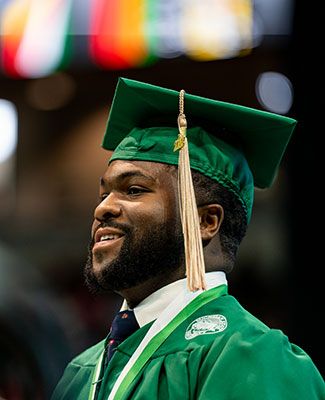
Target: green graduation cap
[240,147]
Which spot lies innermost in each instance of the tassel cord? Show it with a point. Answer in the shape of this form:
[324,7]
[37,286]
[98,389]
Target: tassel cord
[194,259]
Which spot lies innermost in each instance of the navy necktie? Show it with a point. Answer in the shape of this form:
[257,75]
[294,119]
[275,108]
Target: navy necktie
[123,325]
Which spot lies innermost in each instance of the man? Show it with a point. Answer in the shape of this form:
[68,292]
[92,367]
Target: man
[166,251]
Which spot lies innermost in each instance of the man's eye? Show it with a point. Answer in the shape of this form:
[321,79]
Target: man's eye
[135,190]
[102,197]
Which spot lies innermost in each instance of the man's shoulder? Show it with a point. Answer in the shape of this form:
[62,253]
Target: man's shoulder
[224,323]
[254,341]
[243,327]
[216,324]
[233,317]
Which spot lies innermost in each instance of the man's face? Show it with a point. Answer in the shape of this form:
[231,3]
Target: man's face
[136,233]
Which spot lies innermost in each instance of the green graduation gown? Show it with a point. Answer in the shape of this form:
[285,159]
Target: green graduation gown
[241,358]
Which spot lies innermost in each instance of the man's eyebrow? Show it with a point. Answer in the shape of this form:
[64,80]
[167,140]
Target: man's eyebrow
[128,174]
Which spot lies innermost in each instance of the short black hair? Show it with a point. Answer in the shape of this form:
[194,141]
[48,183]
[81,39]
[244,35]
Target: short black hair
[234,225]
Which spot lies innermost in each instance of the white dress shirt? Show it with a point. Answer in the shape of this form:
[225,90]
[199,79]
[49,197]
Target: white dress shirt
[152,306]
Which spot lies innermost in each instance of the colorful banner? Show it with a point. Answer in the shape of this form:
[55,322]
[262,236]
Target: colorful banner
[36,36]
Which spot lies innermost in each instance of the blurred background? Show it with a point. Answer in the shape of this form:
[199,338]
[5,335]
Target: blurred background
[59,64]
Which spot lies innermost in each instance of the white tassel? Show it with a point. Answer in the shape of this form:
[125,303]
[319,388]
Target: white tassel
[194,259]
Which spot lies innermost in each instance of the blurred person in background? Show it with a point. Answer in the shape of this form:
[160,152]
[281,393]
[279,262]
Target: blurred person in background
[166,249]
[34,344]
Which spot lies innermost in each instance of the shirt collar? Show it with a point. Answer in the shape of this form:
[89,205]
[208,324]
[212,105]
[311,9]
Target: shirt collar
[152,306]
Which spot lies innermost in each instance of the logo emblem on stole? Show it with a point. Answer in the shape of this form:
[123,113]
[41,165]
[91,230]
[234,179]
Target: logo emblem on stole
[207,325]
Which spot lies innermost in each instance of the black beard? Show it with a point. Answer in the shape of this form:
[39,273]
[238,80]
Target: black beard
[158,251]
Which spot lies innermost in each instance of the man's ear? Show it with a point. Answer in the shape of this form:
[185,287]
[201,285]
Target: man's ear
[211,217]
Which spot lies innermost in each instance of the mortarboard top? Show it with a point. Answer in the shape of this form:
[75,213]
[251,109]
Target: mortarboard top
[223,137]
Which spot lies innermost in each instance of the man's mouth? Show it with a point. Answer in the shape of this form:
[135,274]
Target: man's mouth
[109,237]
[105,237]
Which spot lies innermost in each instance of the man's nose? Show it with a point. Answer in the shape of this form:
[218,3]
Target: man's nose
[108,208]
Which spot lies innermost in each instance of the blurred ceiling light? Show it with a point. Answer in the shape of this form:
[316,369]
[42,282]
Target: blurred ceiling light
[9,131]
[163,28]
[274,91]
[35,36]
[118,37]
[14,17]
[277,15]
[50,93]
[217,29]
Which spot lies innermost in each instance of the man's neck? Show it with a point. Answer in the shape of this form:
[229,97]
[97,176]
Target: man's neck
[152,306]
[136,294]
